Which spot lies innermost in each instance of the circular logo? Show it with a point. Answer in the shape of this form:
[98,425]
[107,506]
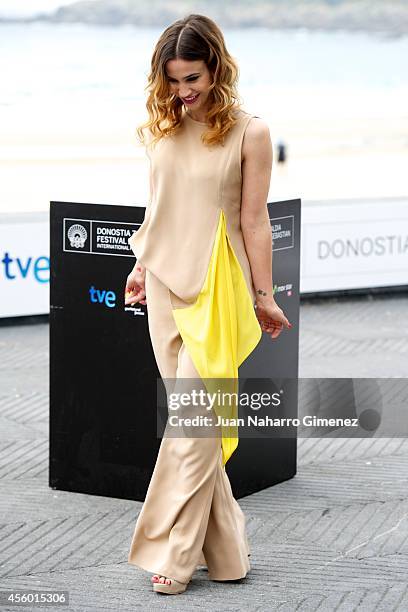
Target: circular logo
[77,236]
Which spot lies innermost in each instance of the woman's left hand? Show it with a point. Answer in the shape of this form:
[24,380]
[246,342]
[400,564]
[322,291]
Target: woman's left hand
[271,317]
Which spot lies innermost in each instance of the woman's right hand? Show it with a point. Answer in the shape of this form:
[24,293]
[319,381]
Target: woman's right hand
[135,286]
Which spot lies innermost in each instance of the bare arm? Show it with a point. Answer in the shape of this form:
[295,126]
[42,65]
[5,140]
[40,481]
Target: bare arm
[255,224]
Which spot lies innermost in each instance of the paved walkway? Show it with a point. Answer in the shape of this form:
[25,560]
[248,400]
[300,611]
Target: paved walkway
[335,537]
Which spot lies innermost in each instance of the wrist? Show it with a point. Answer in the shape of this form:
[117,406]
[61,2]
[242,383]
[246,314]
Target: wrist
[264,298]
[140,268]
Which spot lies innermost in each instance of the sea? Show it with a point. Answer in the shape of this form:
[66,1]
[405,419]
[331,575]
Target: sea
[72,95]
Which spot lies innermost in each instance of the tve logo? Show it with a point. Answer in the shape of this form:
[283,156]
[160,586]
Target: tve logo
[102,296]
[16,268]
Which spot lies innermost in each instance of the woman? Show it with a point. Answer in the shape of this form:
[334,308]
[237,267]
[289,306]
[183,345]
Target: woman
[204,264]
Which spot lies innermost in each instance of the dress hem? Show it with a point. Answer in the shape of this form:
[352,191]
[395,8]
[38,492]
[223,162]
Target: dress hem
[211,576]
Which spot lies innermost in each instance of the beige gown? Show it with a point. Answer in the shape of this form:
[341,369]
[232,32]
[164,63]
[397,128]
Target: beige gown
[189,515]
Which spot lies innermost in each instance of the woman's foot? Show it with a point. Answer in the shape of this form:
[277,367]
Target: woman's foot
[167,585]
[156,578]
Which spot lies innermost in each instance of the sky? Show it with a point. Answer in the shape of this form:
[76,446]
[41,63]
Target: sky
[29,7]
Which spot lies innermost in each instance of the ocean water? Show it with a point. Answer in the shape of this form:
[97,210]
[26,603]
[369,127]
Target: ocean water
[75,93]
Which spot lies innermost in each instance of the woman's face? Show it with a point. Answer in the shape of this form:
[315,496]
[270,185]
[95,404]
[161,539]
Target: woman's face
[190,81]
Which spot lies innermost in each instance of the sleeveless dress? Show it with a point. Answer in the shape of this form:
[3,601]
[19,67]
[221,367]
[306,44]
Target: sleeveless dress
[191,240]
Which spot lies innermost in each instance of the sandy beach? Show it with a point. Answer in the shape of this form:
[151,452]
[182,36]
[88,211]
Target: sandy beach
[326,160]
[69,110]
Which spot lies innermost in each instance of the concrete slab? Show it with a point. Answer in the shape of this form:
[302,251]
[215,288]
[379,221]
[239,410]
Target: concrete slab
[332,538]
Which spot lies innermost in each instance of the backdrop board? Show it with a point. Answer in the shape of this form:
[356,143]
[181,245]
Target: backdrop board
[103,374]
[24,264]
[354,246]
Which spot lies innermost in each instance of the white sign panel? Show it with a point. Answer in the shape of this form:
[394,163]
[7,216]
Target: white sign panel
[345,244]
[24,264]
[354,244]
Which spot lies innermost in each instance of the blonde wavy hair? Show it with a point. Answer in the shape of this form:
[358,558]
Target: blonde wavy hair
[195,37]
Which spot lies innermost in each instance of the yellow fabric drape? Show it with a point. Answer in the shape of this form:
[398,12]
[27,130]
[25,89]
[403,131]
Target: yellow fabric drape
[220,330]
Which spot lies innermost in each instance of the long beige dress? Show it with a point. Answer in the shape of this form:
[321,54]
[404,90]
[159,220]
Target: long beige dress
[190,515]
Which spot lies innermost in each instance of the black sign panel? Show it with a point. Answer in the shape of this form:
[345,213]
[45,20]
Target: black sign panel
[103,374]
[102,368]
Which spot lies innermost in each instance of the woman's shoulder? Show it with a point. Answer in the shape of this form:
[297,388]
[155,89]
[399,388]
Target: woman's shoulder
[147,141]
[257,137]
[241,114]
[147,134]
[257,127]
[244,115]
[255,124]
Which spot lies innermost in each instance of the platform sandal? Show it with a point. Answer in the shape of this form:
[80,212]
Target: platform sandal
[174,588]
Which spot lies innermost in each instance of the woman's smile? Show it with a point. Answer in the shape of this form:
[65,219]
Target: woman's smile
[190,99]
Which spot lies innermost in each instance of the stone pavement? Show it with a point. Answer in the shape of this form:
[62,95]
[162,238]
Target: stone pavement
[335,537]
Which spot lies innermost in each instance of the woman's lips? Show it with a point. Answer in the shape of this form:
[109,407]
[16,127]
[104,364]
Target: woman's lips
[191,99]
